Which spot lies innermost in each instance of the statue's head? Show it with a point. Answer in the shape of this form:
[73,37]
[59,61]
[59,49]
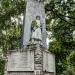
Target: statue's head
[38,17]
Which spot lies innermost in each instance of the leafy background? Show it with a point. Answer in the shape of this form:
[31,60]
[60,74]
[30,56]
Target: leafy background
[60,21]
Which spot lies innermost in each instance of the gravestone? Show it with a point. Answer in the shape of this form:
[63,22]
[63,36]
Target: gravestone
[33,58]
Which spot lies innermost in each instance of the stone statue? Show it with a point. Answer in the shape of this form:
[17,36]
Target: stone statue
[36,35]
[40,0]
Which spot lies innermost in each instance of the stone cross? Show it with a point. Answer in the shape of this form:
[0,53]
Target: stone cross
[34,8]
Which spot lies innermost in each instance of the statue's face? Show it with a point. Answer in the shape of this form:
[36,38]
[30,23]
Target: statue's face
[38,17]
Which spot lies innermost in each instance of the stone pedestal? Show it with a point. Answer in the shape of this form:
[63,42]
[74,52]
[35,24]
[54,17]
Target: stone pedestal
[33,60]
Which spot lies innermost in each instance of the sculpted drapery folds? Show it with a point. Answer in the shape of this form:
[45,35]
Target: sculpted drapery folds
[36,30]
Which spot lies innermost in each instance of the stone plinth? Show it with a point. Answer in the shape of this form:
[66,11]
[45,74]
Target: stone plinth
[33,60]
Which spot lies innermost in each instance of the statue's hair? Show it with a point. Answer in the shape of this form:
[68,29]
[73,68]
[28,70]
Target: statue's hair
[37,17]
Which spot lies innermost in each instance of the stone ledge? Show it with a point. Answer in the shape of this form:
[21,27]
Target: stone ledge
[30,47]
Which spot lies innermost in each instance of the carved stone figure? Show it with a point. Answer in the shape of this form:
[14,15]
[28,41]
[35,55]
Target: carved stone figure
[40,0]
[36,30]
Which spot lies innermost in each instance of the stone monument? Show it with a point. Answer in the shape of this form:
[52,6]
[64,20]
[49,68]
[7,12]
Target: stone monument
[33,58]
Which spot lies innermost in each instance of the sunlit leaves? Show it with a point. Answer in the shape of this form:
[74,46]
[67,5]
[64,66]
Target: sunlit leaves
[62,12]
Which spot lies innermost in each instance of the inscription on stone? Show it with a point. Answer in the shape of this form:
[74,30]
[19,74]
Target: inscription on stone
[21,61]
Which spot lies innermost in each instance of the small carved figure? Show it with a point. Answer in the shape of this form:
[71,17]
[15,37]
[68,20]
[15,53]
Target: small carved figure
[36,30]
[40,0]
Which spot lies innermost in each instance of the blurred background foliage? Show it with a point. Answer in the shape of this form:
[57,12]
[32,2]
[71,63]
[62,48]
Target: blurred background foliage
[60,21]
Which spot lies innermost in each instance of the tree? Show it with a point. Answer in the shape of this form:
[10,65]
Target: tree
[10,28]
[60,21]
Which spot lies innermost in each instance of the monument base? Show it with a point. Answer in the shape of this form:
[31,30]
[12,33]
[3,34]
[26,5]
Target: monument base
[33,60]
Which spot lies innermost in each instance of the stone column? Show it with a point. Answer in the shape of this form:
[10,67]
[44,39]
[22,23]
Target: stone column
[38,60]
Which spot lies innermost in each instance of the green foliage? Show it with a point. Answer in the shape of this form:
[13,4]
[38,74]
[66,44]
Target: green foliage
[34,24]
[58,22]
[2,66]
[71,59]
[10,28]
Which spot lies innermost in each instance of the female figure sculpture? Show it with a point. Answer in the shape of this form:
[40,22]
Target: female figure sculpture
[36,30]
[40,0]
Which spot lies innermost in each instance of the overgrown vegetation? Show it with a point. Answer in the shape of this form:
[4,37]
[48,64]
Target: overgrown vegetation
[60,21]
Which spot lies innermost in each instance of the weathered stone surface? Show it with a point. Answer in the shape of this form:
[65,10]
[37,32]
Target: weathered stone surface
[40,0]
[46,73]
[20,73]
[38,59]
[35,58]
[20,61]
[33,9]
[48,62]
[26,62]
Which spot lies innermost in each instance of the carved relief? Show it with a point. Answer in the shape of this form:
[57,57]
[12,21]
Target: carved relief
[40,0]
[38,57]
[36,34]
